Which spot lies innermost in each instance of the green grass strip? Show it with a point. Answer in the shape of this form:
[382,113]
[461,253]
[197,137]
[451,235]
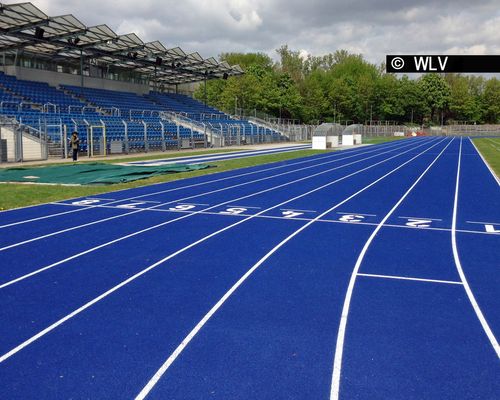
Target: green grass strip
[490,149]
[21,195]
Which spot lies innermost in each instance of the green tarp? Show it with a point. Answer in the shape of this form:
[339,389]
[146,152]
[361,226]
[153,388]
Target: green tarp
[91,173]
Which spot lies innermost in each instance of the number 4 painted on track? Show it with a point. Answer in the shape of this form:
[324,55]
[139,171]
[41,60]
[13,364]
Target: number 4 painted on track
[351,218]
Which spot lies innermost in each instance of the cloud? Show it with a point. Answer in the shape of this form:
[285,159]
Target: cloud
[317,27]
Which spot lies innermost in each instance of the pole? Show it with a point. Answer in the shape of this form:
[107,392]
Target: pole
[81,69]
[205,91]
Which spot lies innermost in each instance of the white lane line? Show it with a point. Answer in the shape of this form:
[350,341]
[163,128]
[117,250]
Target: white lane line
[296,209]
[180,348]
[468,290]
[330,221]
[483,223]
[249,207]
[144,271]
[53,265]
[210,155]
[179,160]
[352,213]
[36,272]
[139,210]
[339,348]
[430,219]
[407,278]
[497,180]
[309,159]
[221,157]
[353,152]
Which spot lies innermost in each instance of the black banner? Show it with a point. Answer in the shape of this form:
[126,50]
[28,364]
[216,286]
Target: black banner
[442,63]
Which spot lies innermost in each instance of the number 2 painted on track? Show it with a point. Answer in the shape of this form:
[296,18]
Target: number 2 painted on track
[419,223]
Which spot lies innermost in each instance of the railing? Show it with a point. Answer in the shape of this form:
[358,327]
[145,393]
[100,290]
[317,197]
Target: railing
[21,142]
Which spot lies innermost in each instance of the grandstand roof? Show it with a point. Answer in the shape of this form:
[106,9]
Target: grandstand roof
[25,26]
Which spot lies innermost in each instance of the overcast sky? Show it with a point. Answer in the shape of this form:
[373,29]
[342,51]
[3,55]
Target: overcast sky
[373,28]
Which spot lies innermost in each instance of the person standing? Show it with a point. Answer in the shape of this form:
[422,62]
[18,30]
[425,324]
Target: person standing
[75,145]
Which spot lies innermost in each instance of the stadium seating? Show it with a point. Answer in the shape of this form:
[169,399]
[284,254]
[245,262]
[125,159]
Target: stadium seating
[139,122]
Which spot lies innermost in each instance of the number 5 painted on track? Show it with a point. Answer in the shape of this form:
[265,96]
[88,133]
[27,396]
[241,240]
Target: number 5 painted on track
[234,211]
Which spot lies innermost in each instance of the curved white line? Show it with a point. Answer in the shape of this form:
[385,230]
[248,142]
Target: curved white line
[460,270]
[339,348]
[310,159]
[153,266]
[33,273]
[180,348]
[356,153]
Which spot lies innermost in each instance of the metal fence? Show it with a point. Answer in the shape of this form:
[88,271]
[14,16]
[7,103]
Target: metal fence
[20,143]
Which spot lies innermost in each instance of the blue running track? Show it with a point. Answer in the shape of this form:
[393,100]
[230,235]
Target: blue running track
[371,273]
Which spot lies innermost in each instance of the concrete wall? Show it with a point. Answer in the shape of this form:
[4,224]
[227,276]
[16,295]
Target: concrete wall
[58,78]
[32,148]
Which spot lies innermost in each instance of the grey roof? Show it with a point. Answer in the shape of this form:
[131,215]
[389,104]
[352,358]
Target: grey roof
[328,129]
[25,26]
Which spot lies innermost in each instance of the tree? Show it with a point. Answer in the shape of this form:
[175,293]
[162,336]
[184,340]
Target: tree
[491,100]
[435,92]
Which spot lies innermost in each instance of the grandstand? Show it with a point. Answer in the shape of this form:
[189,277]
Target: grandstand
[123,95]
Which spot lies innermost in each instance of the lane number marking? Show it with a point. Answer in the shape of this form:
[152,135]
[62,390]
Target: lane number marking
[352,218]
[182,207]
[291,214]
[86,202]
[234,211]
[419,223]
[131,205]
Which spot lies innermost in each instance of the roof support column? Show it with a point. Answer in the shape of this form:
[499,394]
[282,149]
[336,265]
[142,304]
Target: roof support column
[81,70]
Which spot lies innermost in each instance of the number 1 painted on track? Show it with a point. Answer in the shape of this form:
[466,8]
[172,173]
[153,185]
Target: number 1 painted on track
[291,214]
[491,229]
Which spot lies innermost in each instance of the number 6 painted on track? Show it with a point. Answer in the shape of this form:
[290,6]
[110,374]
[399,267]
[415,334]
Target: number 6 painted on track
[182,207]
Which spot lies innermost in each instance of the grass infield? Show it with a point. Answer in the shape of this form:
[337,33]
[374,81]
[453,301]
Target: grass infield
[490,149]
[20,195]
